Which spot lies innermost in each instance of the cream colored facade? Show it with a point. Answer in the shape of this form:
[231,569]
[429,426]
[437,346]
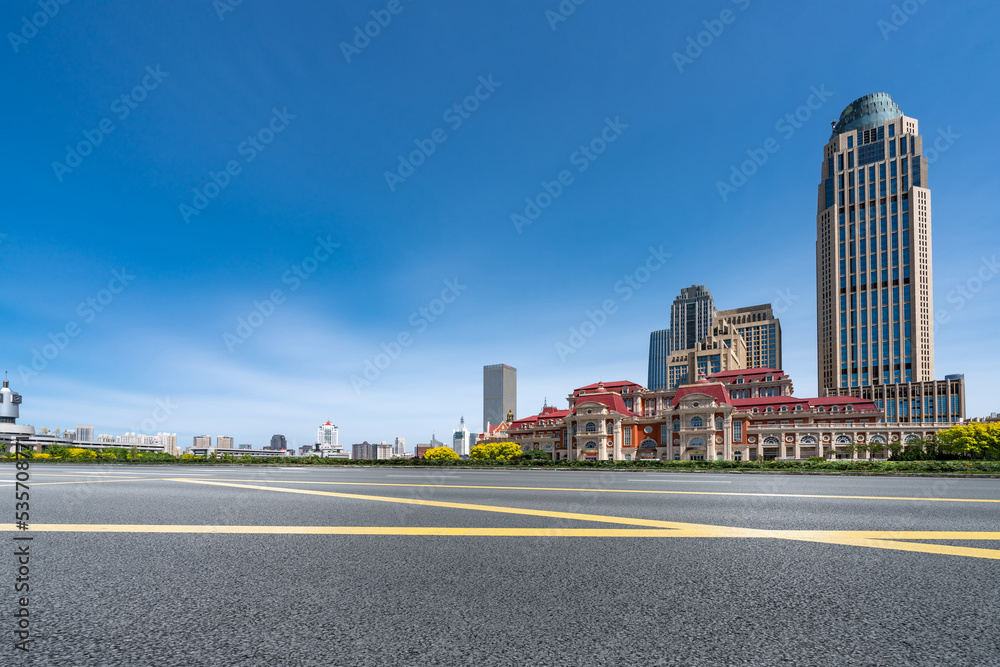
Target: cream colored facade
[760,330]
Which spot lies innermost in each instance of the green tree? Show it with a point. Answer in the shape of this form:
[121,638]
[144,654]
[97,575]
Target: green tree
[535,455]
[496,451]
[441,454]
[975,439]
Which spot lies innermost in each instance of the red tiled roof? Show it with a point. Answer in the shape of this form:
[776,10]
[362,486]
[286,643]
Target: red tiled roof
[611,386]
[713,389]
[770,400]
[855,403]
[612,401]
[837,400]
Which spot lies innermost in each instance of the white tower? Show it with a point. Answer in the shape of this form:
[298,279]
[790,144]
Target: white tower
[460,439]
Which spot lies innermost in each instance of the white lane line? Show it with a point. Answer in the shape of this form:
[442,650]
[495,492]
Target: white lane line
[682,481]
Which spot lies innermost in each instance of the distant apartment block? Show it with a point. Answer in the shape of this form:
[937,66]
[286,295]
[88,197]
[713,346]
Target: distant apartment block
[85,433]
[367,450]
[225,442]
[278,442]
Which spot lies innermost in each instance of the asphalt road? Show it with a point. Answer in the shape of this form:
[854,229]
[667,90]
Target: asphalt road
[186,565]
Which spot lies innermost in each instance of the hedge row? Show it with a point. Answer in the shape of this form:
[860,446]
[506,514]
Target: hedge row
[118,455]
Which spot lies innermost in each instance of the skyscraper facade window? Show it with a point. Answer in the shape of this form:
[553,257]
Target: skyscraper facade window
[873,251]
[691,317]
[499,393]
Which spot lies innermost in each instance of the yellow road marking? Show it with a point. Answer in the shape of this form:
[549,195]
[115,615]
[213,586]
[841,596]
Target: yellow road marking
[654,528]
[545,488]
[466,506]
[825,537]
[651,491]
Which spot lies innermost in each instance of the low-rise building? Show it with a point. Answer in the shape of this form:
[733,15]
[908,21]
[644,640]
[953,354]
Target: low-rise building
[747,414]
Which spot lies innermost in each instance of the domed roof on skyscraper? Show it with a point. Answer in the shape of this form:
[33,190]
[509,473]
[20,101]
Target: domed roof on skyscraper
[867,112]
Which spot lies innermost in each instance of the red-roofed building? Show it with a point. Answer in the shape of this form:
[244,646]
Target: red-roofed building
[741,415]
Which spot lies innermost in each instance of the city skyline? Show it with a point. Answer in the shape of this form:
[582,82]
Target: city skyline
[344,294]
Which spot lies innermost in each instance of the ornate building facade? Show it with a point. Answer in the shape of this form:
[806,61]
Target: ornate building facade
[736,415]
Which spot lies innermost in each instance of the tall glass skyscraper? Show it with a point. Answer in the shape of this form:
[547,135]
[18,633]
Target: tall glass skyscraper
[691,317]
[873,251]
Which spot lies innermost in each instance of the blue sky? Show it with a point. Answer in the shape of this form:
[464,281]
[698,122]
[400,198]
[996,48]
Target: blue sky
[278,139]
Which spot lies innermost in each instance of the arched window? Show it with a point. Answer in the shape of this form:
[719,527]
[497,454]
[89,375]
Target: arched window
[697,422]
[910,439]
[696,443]
[591,445]
[844,440]
[784,408]
[771,441]
[835,409]
[850,408]
[677,426]
[647,444]
[878,440]
[591,427]
[808,440]
[718,424]
[798,408]
[770,409]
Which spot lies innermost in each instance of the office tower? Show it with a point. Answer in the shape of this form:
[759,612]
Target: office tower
[364,450]
[278,442]
[225,442]
[659,353]
[460,439]
[202,441]
[399,449]
[85,433]
[691,317]
[327,436]
[761,332]
[748,337]
[499,394]
[873,251]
